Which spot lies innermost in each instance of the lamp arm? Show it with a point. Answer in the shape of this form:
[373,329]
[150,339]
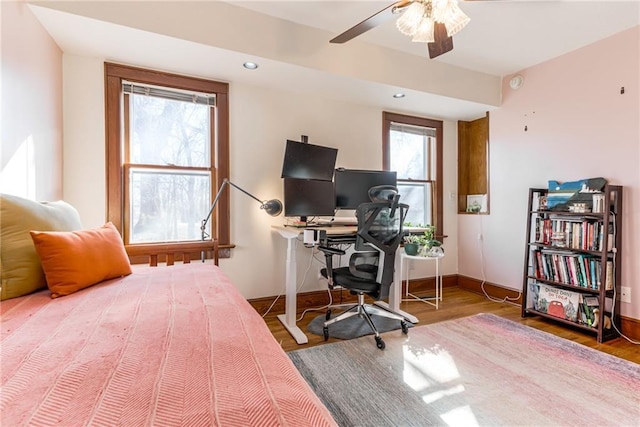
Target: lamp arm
[203,227]
[244,191]
[225,182]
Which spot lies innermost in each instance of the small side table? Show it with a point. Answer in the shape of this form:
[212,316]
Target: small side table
[428,300]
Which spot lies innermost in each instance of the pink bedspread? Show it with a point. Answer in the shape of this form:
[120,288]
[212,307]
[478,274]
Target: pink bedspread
[165,346]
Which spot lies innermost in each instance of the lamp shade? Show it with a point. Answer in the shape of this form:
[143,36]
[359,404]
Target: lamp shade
[273,207]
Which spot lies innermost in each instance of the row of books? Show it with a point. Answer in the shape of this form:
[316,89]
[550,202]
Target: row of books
[572,234]
[573,269]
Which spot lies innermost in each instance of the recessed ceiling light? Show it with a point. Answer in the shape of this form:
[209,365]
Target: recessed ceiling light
[398,95]
[250,65]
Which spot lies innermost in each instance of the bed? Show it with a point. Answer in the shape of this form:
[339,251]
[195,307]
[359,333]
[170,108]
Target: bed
[162,346]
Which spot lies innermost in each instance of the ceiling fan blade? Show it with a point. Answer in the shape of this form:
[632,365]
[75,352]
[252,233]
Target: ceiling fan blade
[442,43]
[371,22]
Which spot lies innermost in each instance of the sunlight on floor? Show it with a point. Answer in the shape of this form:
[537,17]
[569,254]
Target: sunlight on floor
[462,416]
[432,373]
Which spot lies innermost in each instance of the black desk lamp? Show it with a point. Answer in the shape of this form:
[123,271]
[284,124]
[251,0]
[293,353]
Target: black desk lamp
[273,207]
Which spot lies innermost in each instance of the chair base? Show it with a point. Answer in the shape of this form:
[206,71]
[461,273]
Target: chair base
[365,311]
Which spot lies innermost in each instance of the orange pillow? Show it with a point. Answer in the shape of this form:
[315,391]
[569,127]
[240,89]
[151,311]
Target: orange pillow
[74,260]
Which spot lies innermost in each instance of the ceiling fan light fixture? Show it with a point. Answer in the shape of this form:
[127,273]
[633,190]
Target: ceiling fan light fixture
[411,18]
[419,18]
[424,32]
[449,13]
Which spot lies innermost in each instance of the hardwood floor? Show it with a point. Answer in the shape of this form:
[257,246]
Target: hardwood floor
[461,303]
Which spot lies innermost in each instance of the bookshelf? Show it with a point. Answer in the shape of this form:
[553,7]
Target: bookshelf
[572,268]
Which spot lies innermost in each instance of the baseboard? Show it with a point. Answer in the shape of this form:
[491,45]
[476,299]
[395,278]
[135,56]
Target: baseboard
[492,290]
[314,299]
[629,326]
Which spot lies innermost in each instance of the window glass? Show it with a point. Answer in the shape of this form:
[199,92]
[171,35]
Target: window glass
[412,146]
[167,132]
[167,206]
[408,155]
[418,197]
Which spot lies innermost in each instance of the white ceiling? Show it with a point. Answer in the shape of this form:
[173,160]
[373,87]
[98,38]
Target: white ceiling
[502,38]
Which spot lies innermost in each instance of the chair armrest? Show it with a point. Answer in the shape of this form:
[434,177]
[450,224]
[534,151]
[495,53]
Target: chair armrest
[328,250]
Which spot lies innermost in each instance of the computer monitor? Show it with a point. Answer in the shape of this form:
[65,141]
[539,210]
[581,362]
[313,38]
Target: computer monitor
[308,197]
[352,185]
[308,161]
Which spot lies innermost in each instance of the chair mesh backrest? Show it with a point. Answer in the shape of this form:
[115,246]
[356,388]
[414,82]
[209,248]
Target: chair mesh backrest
[380,227]
[376,226]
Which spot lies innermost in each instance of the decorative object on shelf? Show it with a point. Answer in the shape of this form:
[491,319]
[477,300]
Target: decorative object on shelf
[411,244]
[561,196]
[435,251]
[476,203]
[273,207]
[598,203]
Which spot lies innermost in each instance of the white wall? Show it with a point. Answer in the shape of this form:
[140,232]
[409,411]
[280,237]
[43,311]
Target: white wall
[260,122]
[31,115]
[579,126]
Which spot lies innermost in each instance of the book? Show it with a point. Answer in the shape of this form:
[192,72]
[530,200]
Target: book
[558,302]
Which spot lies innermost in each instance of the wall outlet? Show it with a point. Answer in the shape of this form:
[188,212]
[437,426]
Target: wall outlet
[479,236]
[625,294]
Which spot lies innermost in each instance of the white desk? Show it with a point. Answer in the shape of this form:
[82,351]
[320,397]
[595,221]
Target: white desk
[406,259]
[288,319]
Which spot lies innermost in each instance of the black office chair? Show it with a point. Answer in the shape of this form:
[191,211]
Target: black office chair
[371,267]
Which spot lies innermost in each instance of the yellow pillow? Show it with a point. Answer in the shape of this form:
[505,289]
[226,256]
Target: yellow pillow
[78,259]
[20,268]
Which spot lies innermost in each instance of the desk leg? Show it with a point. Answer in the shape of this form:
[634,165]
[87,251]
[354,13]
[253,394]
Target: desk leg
[288,319]
[395,294]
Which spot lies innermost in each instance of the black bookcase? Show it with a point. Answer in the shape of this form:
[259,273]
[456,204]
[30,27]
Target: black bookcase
[572,265]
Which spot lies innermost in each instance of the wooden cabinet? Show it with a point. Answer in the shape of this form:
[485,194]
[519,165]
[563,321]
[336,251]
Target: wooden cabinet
[473,166]
[572,267]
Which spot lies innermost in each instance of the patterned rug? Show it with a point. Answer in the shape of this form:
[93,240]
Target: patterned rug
[481,370]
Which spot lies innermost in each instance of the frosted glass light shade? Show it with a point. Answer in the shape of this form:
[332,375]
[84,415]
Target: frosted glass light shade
[419,18]
[449,13]
[424,32]
[411,18]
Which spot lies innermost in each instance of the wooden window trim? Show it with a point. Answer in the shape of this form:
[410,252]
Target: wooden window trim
[387,119]
[114,75]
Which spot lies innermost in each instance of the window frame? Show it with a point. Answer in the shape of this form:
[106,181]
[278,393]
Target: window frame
[436,206]
[115,74]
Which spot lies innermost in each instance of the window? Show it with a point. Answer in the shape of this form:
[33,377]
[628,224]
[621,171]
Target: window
[412,146]
[167,152]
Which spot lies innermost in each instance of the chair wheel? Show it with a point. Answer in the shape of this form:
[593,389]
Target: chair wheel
[328,315]
[380,343]
[325,332]
[405,327]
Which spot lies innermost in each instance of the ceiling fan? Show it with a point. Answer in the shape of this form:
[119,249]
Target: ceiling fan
[431,21]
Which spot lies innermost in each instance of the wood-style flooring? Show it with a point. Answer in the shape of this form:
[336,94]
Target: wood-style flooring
[461,303]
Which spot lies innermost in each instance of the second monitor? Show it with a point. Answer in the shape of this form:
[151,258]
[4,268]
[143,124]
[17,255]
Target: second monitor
[352,185]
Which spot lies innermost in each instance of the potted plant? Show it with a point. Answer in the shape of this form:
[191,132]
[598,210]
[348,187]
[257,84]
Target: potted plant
[423,244]
[431,246]
[412,244]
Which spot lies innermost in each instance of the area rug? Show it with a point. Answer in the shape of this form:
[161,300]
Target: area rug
[481,370]
[353,327]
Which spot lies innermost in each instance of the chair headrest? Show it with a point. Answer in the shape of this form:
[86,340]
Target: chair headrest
[383,193]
